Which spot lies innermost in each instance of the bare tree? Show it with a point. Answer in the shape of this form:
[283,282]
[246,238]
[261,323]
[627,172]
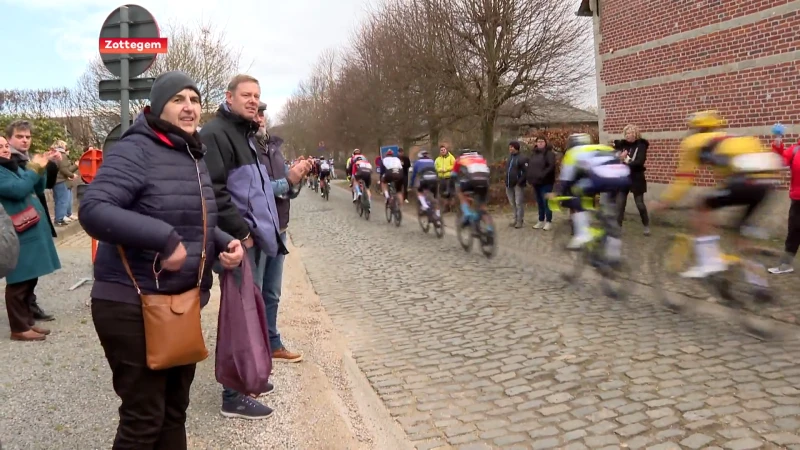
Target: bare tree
[498,50]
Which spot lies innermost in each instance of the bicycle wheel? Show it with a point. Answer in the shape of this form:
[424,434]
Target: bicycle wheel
[398,214]
[487,237]
[365,206]
[748,278]
[438,226]
[572,260]
[327,192]
[424,219]
[360,208]
[616,277]
[463,232]
[388,211]
[669,258]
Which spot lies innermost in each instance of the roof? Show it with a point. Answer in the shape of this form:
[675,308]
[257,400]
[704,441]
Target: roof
[543,111]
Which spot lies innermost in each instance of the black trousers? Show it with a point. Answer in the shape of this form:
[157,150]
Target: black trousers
[152,415]
[793,234]
[18,301]
[622,202]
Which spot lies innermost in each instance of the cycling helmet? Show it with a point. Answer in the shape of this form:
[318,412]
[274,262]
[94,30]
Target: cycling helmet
[467,151]
[389,153]
[422,154]
[705,119]
[356,152]
[576,139]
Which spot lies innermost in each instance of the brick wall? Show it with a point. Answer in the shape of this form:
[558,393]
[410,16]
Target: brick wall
[625,23]
[660,61]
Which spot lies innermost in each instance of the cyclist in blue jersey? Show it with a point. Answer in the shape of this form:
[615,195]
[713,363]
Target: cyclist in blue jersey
[425,169]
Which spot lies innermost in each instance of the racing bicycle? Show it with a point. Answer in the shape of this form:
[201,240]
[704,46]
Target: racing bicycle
[326,190]
[480,229]
[362,200]
[742,286]
[393,211]
[428,217]
[614,275]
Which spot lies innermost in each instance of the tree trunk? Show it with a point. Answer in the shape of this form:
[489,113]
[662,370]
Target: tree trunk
[433,133]
[487,134]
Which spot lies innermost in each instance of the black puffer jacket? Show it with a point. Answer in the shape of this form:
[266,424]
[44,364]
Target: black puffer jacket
[542,166]
[146,197]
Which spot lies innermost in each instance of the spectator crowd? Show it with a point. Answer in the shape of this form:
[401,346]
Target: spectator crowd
[173,204]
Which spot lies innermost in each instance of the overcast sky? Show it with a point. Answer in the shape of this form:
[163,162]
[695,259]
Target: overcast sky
[49,42]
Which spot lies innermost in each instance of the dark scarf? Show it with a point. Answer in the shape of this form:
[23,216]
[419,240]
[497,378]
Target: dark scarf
[160,125]
[10,164]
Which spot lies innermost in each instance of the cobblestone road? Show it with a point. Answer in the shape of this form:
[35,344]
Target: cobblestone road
[471,354]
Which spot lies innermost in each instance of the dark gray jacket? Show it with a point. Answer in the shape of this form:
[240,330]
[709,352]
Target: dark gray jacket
[542,166]
[241,184]
[146,198]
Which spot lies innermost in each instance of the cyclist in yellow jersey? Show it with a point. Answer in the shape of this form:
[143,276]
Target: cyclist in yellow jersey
[747,172]
[587,170]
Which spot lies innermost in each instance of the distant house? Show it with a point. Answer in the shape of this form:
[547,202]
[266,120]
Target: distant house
[541,114]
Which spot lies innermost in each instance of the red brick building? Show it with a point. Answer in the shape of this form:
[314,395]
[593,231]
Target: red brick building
[659,61]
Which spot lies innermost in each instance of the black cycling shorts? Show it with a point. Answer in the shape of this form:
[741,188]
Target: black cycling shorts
[739,192]
[429,185]
[479,188]
[325,174]
[366,177]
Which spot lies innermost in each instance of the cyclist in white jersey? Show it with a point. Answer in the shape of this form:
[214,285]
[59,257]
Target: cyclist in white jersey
[392,172]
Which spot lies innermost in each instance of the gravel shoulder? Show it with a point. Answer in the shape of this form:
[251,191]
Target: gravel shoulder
[58,394]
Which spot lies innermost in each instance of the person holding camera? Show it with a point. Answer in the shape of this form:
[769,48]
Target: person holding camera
[633,152]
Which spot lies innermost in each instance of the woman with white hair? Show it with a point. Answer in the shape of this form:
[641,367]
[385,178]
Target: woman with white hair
[633,151]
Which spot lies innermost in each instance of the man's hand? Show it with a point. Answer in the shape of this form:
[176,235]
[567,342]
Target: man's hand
[248,243]
[39,159]
[297,172]
[175,261]
[233,257]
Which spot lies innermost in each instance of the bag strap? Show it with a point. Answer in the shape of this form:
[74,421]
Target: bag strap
[205,239]
[128,268]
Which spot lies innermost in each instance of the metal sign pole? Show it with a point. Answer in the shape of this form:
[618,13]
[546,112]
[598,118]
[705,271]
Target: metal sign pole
[124,72]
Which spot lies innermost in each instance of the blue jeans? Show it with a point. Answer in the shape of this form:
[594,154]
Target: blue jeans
[257,261]
[541,190]
[61,196]
[69,203]
[271,291]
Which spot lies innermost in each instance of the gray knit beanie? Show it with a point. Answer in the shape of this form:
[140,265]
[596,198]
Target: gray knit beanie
[167,85]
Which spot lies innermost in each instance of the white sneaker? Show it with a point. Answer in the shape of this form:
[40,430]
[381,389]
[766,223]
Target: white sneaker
[547,226]
[73,217]
[66,219]
[578,241]
[539,225]
[783,268]
[702,271]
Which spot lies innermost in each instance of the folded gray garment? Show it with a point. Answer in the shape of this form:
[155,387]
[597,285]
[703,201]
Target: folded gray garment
[9,244]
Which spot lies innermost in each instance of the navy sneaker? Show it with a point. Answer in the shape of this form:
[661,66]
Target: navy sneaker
[245,407]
